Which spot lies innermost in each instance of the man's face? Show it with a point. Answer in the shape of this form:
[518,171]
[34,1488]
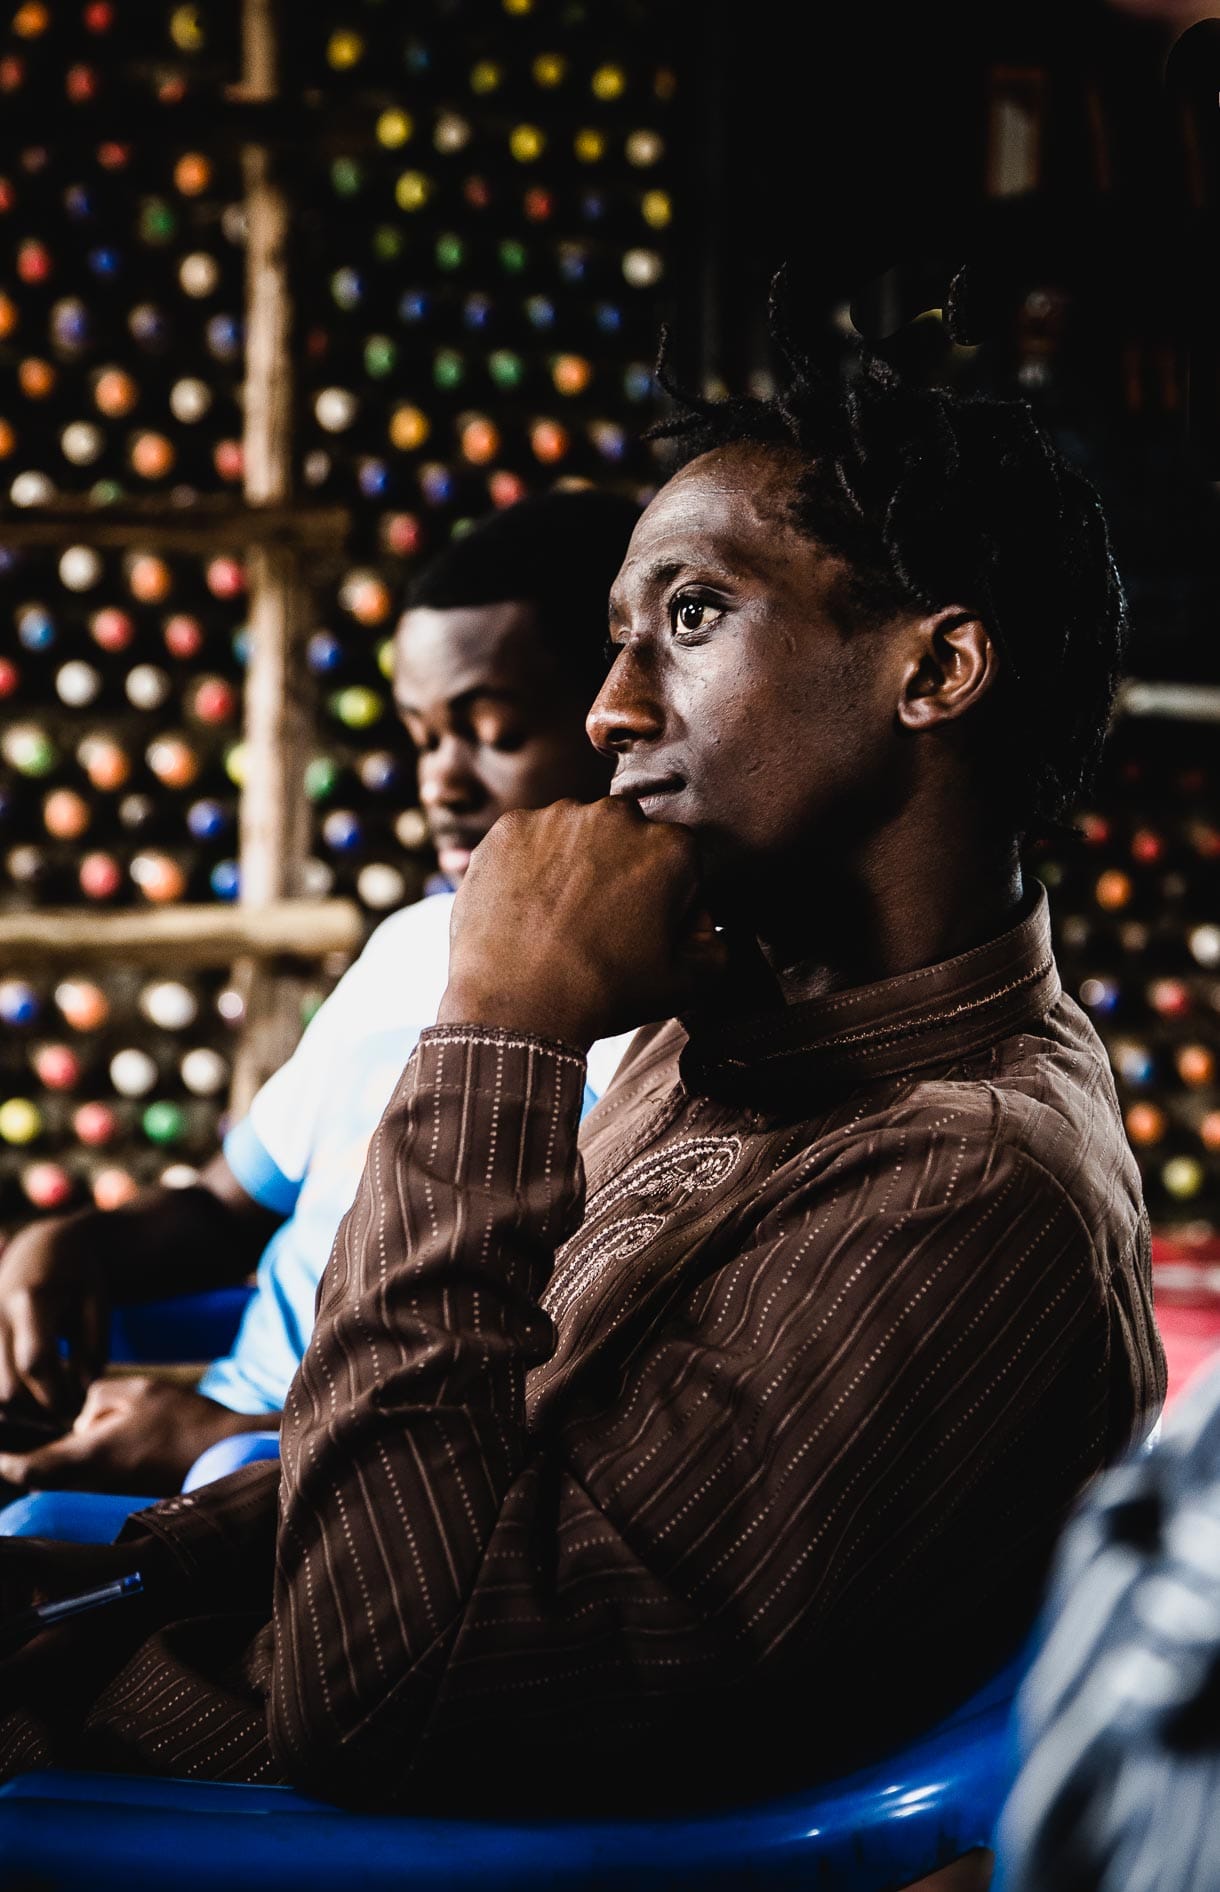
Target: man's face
[496,724]
[736,706]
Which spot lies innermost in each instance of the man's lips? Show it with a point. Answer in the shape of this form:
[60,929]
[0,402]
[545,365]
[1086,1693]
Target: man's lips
[652,794]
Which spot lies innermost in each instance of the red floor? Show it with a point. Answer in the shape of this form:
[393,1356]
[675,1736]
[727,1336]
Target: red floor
[1186,1277]
[1191,1336]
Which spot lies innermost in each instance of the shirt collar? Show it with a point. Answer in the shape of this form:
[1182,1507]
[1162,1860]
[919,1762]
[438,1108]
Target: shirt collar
[936,1015]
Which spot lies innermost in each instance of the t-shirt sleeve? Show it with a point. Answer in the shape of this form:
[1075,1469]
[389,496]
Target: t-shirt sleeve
[257,1170]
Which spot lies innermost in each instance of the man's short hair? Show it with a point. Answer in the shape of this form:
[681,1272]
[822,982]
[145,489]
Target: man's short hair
[559,551]
[932,499]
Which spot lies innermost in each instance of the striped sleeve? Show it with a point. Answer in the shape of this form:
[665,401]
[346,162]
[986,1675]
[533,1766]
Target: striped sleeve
[892,1388]
[405,1427]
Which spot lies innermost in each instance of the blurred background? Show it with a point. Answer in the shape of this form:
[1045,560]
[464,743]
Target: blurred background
[374,269]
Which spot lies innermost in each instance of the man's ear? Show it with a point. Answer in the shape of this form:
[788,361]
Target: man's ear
[951,662]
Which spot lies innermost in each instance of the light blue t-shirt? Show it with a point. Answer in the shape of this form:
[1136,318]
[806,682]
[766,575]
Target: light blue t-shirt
[300,1149]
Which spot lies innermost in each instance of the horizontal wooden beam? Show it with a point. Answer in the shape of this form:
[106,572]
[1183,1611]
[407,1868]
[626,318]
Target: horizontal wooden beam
[205,525]
[183,1374]
[180,936]
[1176,702]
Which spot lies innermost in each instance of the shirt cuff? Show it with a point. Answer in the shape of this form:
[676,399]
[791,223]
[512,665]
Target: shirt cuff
[257,1171]
[226,1529]
[499,1038]
[496,1111]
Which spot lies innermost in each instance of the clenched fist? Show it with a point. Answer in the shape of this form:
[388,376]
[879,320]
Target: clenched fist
[576,922]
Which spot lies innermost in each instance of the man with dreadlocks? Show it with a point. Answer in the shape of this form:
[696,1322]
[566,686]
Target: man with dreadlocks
[732,1443]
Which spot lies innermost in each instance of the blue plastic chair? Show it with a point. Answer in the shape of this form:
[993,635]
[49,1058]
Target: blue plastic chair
[227,1455]
[77,1517]
[184,1327]
[880,1828]
[877,1829]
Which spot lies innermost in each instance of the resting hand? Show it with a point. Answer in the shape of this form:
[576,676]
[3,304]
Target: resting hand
[132,1435]
[577,921]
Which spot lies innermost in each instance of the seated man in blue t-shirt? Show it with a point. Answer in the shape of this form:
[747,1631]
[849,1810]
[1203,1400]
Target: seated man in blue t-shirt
[497,657]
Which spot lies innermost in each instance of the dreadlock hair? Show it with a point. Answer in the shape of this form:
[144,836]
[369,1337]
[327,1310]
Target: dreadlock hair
[559,552]
[931,500]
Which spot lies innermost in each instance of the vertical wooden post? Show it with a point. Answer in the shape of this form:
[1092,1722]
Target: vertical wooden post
[274,824]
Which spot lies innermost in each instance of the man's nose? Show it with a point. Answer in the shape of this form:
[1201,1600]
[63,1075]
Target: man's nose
[448,777]
[626,710]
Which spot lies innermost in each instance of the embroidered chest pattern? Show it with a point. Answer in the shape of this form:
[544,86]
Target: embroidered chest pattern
[631,1210]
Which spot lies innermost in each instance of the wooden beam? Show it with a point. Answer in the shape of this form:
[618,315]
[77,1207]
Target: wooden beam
[274,811]
[207,525]
[180,936]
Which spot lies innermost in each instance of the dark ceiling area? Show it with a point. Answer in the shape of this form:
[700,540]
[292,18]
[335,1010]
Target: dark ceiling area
[1067,157]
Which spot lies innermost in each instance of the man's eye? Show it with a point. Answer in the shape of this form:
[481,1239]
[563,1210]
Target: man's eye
[689,613]
[493,732]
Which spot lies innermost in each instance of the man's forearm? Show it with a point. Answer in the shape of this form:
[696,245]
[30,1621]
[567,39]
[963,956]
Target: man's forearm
[405,1427]
[170,1241]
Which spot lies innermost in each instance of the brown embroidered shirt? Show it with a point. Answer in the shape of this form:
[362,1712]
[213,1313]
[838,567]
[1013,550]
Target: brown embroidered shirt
[607,1467]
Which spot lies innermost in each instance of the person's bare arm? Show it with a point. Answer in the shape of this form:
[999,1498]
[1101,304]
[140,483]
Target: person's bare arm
[135,1434]
[60,1277]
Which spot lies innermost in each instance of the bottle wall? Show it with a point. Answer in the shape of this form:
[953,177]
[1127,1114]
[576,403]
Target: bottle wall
[484,226]
[482,207]
[1137,928]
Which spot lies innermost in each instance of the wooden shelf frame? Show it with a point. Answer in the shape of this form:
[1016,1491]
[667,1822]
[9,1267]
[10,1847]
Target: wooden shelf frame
[283,541]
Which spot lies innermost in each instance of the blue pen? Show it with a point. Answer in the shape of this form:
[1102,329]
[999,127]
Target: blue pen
[28,1623]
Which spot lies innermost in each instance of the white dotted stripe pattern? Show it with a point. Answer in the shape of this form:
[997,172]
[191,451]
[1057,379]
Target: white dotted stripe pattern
[559,1480]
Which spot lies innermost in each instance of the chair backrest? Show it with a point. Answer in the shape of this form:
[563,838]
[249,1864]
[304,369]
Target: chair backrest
[183,1327]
